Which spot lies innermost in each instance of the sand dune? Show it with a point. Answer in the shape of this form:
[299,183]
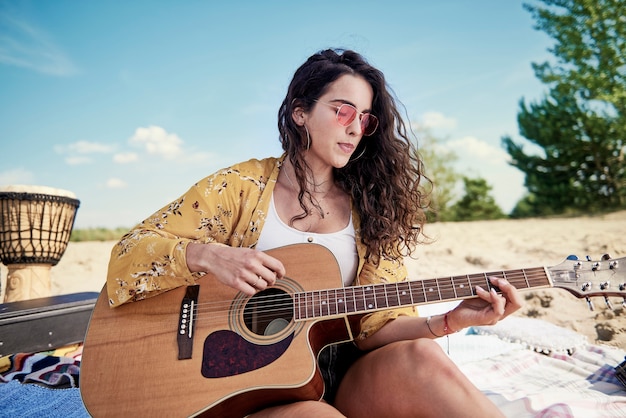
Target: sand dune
[461,248]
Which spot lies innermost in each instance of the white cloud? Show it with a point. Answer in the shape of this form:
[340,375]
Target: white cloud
[77,153]
[478,158]
[156,140]
[437,120]
[470,146]
[16,176]
[115,183]
[78,160]
[84,147]
[125,157]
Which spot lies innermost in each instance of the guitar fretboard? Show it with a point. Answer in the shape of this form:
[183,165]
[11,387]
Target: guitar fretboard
[371,298]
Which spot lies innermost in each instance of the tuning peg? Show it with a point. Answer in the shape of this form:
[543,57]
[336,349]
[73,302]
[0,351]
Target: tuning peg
[624,302]
[589,303]
[605,257]
[608,303]
[587,258]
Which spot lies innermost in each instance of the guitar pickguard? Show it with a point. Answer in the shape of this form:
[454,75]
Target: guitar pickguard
[226,353]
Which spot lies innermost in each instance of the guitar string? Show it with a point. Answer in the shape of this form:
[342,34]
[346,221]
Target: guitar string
[284,303]
[521,278]
[529,278]
[443,289]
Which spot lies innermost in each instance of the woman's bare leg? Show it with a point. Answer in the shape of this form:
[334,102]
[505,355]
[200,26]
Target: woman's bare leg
[409,379]
[304,409]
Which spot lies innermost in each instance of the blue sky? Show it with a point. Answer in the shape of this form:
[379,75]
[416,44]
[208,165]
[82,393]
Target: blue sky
[127,104]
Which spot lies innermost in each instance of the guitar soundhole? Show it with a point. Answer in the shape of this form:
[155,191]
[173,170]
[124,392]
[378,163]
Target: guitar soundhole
[268,312]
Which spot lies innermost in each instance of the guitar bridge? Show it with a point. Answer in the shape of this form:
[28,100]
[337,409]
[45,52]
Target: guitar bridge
[186,322]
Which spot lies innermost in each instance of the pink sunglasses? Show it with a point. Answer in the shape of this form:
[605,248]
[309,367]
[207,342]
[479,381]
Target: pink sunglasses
[347,113]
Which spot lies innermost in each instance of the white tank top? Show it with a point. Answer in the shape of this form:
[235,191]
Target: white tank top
[342,244]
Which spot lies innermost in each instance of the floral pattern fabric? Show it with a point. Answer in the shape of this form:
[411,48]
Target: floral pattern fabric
[228,207]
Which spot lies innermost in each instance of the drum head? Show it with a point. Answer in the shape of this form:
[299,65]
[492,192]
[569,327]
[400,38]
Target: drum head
[20,188]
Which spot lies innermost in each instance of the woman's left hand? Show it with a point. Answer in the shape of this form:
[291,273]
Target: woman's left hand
[489,308]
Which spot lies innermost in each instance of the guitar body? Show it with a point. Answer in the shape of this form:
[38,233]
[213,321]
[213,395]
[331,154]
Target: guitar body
[212,351]
[240,361]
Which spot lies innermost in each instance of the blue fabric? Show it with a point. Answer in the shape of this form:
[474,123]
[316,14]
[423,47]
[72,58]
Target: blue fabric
[18,400]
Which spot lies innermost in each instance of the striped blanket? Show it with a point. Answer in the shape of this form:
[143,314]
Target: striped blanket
[521,380]
[42,384]
[524,383]
[56,369]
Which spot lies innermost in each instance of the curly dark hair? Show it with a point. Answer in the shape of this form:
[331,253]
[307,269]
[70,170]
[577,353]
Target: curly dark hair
[383,177]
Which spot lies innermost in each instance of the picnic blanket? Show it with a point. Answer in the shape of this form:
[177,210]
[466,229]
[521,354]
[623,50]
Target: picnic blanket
[527,368]
[527,383]
[42,384]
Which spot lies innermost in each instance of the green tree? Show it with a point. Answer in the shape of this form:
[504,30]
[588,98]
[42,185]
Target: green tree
[439,163]
[580,125]
[476,204]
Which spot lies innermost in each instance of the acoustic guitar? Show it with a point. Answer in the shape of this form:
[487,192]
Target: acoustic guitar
[210,350]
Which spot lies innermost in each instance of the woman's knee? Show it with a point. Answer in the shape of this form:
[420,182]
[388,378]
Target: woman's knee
[414,359]
[421,351]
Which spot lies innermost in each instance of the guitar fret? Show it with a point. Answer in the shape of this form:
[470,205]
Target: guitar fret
[324,305]
[446,289]
[423,287]
[480,279]
[485,277]
[340,301]
[438,289]
[346,300]
[463,286]
[405,296]
[380,296]
[393,298]
[453,286]
[385,288]
[431,290]
[352,298]
[418,295]
[526,279]
[298,306]
[315,304]
[369,297]
[359,300]
[305,308]
[309,306]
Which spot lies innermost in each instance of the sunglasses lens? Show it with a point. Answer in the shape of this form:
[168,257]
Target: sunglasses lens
[346,114]
[369,123]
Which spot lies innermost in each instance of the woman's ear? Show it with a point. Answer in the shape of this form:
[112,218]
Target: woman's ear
[299,116]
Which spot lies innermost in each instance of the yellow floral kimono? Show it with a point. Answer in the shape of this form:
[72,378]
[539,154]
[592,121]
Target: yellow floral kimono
[226,208]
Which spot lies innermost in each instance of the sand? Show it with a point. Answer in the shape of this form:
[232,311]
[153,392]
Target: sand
[462,248]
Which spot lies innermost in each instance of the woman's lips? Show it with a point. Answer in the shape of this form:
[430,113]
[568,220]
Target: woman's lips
[346,147]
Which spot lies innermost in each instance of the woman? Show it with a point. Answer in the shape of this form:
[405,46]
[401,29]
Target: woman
[350,180]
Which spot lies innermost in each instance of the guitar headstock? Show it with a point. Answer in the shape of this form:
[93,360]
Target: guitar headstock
[606,277]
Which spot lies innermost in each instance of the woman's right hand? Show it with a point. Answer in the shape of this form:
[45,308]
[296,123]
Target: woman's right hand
[244,269]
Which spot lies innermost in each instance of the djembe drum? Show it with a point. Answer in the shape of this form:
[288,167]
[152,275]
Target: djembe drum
[35,227]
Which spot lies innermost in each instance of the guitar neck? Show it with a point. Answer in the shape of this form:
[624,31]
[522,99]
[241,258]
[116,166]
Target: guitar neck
[371,298]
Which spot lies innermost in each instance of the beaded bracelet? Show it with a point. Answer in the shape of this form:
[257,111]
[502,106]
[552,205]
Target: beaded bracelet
[446,327]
